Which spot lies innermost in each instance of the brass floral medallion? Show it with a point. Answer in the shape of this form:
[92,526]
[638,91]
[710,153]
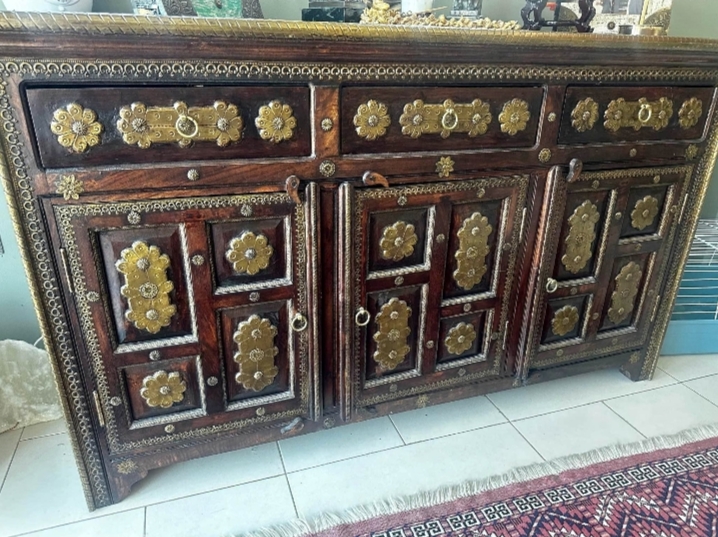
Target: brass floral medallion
[644,213]
[126,467]
[76,127]
[584,115]
[690,113]
[638,114]
[256,351]
[143,126]
[146,288]
[276,122]
[472,251]
[446,118]
[392,334]
[692,152]
[372,120]
[70,187]
[580,238]
[514,117]
[445,167]
[564,321]
[624,295]
[460,338]
[163,389]
[398,241]
[249,253]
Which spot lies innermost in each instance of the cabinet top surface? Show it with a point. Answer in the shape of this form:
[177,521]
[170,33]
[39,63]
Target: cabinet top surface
[16,27]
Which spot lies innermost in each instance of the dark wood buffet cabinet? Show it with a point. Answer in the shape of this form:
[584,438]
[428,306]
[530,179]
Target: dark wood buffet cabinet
[240,231]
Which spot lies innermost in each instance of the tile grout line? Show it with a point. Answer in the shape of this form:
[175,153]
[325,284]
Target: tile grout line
[401,437]
[9,464]
[624,419]
[40,530]
[517,430]
[144,525]
[42,436]
[286,478]
[701,395]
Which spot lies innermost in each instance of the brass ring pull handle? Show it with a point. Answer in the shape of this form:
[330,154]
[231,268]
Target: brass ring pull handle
[450,119]
[299,323]
[551,285]
[645,113]
[362,317]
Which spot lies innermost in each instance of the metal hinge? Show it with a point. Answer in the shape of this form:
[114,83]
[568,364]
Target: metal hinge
[66,269]
[98,408]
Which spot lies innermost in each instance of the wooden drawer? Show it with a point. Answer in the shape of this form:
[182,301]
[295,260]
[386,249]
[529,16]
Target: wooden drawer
[383,120]
[129,125]
[605,115]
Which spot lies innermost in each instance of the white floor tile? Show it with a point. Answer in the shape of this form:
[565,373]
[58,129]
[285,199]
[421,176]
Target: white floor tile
[44,429]
[536,399]
[8,443]
[690,366]
[344,442]
[42,488]
[223,512]
[576,430]
[707,387]
[449,418]
[127,524]
[205,474]
[666,411]
[410,469]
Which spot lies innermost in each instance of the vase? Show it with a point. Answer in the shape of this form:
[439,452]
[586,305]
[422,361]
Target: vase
[416,6]
[49,5]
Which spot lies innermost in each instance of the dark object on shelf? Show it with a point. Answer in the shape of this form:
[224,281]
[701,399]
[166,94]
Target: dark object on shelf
[251,9]
[467,8]
[531,15]
[331,14]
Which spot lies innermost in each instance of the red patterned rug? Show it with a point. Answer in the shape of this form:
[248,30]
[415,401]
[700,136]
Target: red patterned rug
[657,492]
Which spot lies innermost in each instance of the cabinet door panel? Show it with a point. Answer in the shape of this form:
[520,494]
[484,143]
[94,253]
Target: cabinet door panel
[604,306]
[456,255]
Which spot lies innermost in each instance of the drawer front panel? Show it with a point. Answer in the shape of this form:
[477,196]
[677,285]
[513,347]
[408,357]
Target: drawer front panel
[607,115]
[124,125]
[383,120]
[180,342]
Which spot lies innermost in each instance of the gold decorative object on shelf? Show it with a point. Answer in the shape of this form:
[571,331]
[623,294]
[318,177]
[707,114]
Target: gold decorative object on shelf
[144,126]
[582,233]
[70,187]
[644,213]
[256,350]
[564,321]
[397,241]
[163,389]
[381,13]
[445,167]
[460,338]
[473,249]
[146,288]
[470,118]
[392,335]
[76,127]
[514,116]
[636,115]
[372,120]
[624,296]
[690,113]
[249,253]
[584,115]
[276,122]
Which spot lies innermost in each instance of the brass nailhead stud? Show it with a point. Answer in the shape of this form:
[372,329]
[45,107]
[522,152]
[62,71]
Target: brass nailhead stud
[169,429]
[552,117]
[429,344]
[92,296]
[618,215]
[559,352]
[260,411]
[467,307]
[481,192]
[155,355]
[246,210]
[595,185]
[595,316]
[254,296]
[399,280]
[134,218]
[461,372]
[193,175]
[633,152]
[393,388]
[657,179]
[197,260]
[402,200]
[212,381]
[327,168]
[327,124]
[574,290]
[115,401]
[440,238]
[545,155]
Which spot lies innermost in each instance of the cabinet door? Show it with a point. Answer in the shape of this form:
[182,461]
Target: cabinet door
[429,273]
[193,312]
[608,236]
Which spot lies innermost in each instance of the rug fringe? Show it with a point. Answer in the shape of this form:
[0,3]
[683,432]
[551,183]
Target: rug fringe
[304,528]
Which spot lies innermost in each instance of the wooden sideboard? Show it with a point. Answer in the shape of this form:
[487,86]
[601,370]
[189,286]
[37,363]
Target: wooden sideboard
[240,231]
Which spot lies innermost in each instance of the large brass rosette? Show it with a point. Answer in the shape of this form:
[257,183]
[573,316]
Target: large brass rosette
[397,241]
[690,113]
[76,127]
[564,321]
[472,252]
[146,288]
[163,389]
[460,338]
[514,116]
[392,334]
[255,353]
[624,296]
[644,213]
[584,115]
[249,253]
[372,120]
[582,233]
[276,122]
